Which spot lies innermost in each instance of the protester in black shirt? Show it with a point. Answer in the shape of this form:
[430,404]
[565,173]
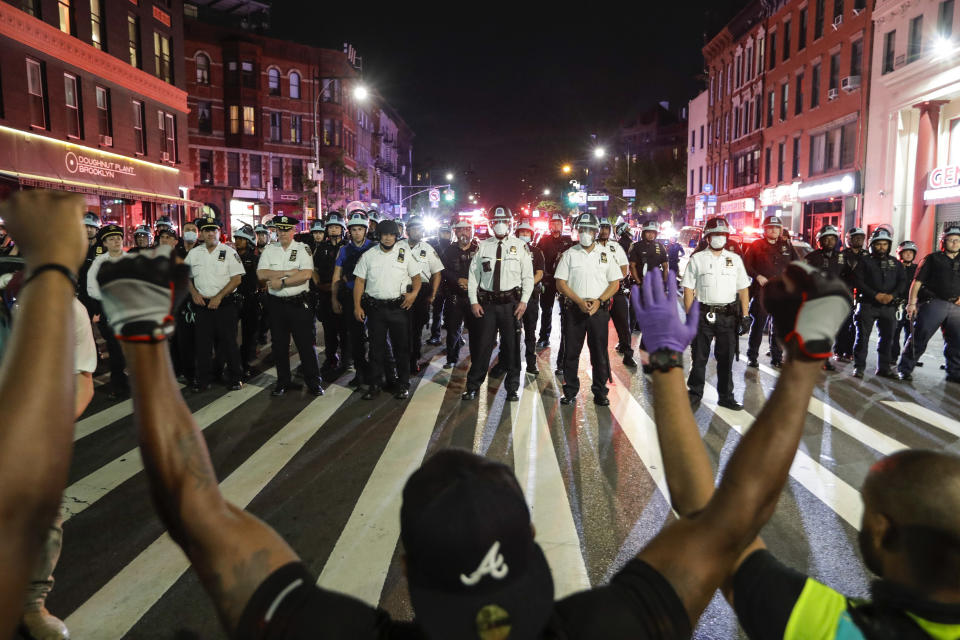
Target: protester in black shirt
[879,280]
[245,239]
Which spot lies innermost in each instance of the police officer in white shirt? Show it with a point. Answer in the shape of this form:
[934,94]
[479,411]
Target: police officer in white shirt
[215,273]
[286,267]
[619,304]
[588,276]
[388,281]
[111,237]
[431,266]
[717,278]
[499,284]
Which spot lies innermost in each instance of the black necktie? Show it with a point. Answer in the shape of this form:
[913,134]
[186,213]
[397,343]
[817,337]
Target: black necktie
[496,269]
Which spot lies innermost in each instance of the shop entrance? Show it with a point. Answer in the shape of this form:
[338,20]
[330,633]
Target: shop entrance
[820,213]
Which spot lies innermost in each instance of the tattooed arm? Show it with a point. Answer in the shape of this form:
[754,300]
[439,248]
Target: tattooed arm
[232,550]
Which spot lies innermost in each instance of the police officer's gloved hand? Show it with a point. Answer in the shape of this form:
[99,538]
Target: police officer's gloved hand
[807,308]
[746,322]
[141,293]
[658,317]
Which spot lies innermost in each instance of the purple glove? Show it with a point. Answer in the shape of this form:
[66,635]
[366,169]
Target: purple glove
[657,315]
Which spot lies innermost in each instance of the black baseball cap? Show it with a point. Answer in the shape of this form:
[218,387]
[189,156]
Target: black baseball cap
[473,567]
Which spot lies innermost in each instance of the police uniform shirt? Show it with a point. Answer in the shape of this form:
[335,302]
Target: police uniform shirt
[648,254]
[84,348]
[212,270]
[830,262]
[516,268]
[93,287]
[618,253]
[589,273]
[387,274]
[426,255]
[715,279]
[350,254]
[276,258]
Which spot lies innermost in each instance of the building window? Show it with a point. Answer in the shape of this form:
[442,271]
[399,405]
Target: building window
[249,121]
[748,63]
[818,20]
[738,79]
[761,53]
[915,39]
[757,111]
[139,134]
[168,124]
[837,9]
[701,136]
[37,88]
[96,21]
[332,90]
[802,33]
[798,95]
[786,40]
[780,162]
[726,174]
[273,82]
[247,77]
[233,119]
[276,172]
[161,57]
[736,122]
[206,166]
[691,182]
[835,71]
[856,58]
[275,126]
[766,164]
[796,158]
[833,149]
[296,174]
[771,100]
[104,112]
[773,50]
[203,69]
[71,98]
[133,40]
[205,117]
[256,172]
[700,181]
[31,7]
[859,5]
[294,85]
[66,17]
[233,168]
[945,19]
[296,129]
[815,87]
[784,100]
[889,44]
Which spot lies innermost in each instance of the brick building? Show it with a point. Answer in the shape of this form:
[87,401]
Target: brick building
[92,100]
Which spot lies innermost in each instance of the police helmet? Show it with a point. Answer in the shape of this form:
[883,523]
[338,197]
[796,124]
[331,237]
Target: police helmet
[357,219]
[356,205]
[717,225]
[605,222]
[772,221]
[587,221]
[415,221]
[651,225]
[333,218]
[462,224]
[163,221]
[388,227]
[374,216]
[881,234]
[855,231]
[270,223]
[91,219]
[501,213]
[246,232]
[444,226]
[318,225]
[827,230]
[622,228]
[557,217]
[907,245]
[524,226]
[260,229]
[141,230]
[950,230]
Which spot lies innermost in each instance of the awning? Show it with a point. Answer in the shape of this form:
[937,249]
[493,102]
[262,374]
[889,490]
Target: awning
[92,189]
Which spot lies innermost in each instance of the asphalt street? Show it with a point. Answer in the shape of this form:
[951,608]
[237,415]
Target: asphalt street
[327,473]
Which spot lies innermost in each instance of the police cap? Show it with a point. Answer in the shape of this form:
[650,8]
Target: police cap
[207,223]
[284,222]
[110,230]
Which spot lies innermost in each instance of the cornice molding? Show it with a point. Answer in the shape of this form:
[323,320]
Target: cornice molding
[891,9]
[38,35]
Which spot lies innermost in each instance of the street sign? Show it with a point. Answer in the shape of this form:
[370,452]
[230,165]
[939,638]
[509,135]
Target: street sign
[597,197]
[577,197]
[712,199]
[434,196]
[711,211]
[708,188]
[629,193]
[434,204]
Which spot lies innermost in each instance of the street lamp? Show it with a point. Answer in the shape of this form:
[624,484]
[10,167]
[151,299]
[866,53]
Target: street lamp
[649,209]
[449,176]
[360,94]
[546,192]
[567,168]
[599,152]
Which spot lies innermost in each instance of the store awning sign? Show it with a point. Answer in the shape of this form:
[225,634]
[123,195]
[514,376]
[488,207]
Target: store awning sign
[943,183]
[736,206]
[841,185]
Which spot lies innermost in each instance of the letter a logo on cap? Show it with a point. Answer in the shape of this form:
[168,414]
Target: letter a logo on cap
[492,564]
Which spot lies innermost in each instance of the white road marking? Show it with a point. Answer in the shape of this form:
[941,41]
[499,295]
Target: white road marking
[929,416]
[101,419]
[113,610]
[360,560]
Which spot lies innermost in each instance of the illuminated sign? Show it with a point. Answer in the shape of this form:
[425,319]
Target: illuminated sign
[597,197]
[735,206]
[943,184]
[828,187]
[161,16]
[577,197]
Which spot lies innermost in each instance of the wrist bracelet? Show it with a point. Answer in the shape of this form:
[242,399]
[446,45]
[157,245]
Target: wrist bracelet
[51,266]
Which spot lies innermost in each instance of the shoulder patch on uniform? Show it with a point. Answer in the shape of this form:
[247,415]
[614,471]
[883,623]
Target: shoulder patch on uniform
[237,256]
[839,258]
[293,256]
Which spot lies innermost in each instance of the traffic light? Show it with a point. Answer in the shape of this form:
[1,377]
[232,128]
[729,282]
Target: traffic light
[448,195]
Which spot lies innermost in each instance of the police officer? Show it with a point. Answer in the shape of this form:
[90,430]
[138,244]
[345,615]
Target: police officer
[141,239]
[272,235]
[530,316]
[907,253]
[552,246]
[718,279]
[456,272]
[765,259]
[111,239]
[624,235]
[263,236]
[244,240]
[91,222]
[647,254]
[934,302]
[588,276]
[401,229]
[373,219]
[440,244]
[335,337]
[163,222]
[216,272]
[317,233]
[674,251]
[829,260]
[386,286]
[499,285]
[341,292]
[286,267]
[431,268]
[851,258]
[619,305]
[880,280]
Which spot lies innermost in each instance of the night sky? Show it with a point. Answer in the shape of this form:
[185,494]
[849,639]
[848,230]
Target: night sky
[499,96]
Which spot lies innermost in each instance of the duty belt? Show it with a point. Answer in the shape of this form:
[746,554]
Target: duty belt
[728,309]
[501,297]
[300,298]
[376,303]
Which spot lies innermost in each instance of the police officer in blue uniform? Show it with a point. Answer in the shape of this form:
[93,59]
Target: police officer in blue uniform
[430,275]
[829,260]
[440,244]
[341,292]
[244,241]
[552,245]
[91,223]
[880,280]
[456,271]
[647,254]
[766,259]
[852,256]
[907,253]
[934,303]
[338,356]
[620,303]
[532,314]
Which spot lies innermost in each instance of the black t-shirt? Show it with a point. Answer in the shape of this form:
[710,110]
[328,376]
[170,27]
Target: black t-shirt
[940,275]
[647,252]
[638,604]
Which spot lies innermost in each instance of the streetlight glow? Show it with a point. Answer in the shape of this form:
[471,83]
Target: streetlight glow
[567,168]
[599,152]
[942,47]
[361,93]
[546,192]
[649,209]
[449,176]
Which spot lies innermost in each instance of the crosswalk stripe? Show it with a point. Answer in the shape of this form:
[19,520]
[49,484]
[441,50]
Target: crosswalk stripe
[360,559]
[101,419]
[113,610]
[929,416]
[538,471]
[640,430]
[831,490]
[83,493]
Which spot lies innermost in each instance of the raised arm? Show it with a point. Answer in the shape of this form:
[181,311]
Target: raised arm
[36,388]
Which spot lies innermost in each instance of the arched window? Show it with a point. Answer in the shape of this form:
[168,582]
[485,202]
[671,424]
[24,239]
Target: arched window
[295,85]
[203,69]
[273,82]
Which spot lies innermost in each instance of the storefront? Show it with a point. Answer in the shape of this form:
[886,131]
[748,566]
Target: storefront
[781,201]
[740,213]
[120,189]
[832,200]
[943,193]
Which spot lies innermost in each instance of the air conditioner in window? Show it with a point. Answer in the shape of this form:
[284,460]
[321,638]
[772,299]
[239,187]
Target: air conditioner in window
[165,156]
[106,141]
[856,11]
[832,94]
[850,83]
[837,21]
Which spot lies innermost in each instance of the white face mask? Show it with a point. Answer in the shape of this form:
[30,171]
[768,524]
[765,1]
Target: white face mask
[500,229]
[273,236]
[189,236]
[718,242]
[526,238]
[586,238]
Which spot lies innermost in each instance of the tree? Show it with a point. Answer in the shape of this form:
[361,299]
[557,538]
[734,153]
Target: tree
[660,182]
